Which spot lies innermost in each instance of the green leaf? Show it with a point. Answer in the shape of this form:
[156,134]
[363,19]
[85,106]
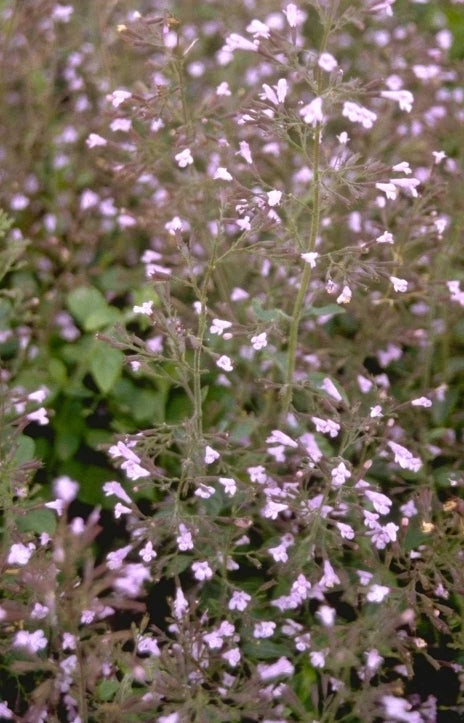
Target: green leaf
[90,308]
[101,318]
[269,314]
[329,310]
[106,365]
[107,689]
[26,449]
[37,521]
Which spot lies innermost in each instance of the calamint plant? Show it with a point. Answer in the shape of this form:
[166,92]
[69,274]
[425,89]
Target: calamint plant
[274,345]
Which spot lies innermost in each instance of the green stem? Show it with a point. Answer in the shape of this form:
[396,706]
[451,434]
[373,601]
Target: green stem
[305,277]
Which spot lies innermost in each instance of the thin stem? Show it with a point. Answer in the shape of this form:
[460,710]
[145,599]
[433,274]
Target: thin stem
[305,277]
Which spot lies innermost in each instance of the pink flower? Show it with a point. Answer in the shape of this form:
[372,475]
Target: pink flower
[273,198]
[404,98]
[294,15]
[377,593]
[222,174]
[184,158]
[327,62]
[312,113]
[358,114]
[239,600]
[264,629]
[202,571]
[95,140]
[259,341]
[117,97]
[20,554]
[39,416]
[400,285]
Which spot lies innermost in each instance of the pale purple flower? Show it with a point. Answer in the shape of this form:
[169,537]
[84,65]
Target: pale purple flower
[218,326]
[327,62]
[389,189]
[385,238]
[184,538]
[258,29]
[377,593]
[278,437]
[404,457]
[223,89]
[398,709]
[326,426]
[20,554]
[310,258]
[232,656]
[229,484]
[115,559]
[202,570]
[39,416]
[312,112]
[117,97]
[180,604]
[406,184]
[147,552]
[225,363]
[373,659]
[404,98]
[210,455]
[381,502]
[421,402]
[382,536]
[400,285]
[32,642]
[245,152]
[156,125]
[234,41]
[131,580]
[116,489]
[438,156]
[39,395]
[222,174]
[345,296]
[274,670]
[204,491]
[264,629]
[121,124]
[213,640]
[5,712]
[257,474]
[330,577]
[147,644]
[273,197]
[184,158]
[317,658]
[259,341]
[145,308]
[376,412]
[358,114]
[402,167]
[326,615]
[239,600]
[346,531]
[329,387]
[272,509]
[94,140]
[65,488]
[340,474]
[343,138]
[294,15]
